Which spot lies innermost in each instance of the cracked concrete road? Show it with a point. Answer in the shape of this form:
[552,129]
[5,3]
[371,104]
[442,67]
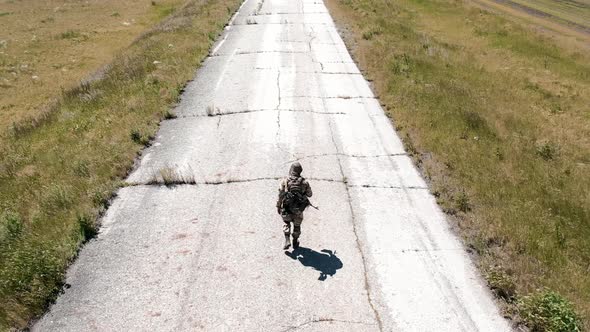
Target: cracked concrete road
[279,86]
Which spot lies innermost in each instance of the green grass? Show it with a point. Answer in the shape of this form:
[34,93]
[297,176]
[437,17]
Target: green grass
[498,119]
[60,168]
[70,34]
[163,10]
[547,311]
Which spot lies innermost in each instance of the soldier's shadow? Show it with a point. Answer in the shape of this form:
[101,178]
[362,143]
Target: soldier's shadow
[325,261]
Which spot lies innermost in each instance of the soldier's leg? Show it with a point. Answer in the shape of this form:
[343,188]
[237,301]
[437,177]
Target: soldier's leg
[297,220]
[287,231]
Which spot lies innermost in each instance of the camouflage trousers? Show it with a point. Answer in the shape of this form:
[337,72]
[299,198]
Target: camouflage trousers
[296,220]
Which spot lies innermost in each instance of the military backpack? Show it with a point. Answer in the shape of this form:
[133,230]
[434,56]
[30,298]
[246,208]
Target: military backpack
[295,201]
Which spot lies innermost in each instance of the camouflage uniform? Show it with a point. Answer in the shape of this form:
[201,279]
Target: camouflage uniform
[295,218]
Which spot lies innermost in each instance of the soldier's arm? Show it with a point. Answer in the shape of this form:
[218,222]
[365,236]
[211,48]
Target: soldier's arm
[308,192]
[282,190]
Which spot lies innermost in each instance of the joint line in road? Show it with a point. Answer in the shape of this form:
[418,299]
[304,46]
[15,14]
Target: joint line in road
[322,320]
[346,155]
[256,52]
[188,181]
[280,23]
[255,111]
[335,97]
[295,71]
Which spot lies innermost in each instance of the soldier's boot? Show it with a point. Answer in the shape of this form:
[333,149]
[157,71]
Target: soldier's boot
[296,233]
[295,243]
[287,242]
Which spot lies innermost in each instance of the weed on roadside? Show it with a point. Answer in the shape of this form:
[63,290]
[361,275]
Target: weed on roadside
[547,311]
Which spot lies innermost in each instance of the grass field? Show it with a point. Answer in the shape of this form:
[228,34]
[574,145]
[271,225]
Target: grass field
[497,116]
[61,160]
[49,46]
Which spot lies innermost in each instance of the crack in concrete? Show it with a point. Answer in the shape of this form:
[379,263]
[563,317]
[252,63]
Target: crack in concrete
[289,70]
[323,320]
[180,181]
[340,61]
[333,97]
[258,8]
[199,183]
[288,13]
[312,35]
[354,228]
[278,89]
[281,23]
[433,250]
[254,52]
[310,54]
[222,114]
[346,155]
[385,187]
[176,182]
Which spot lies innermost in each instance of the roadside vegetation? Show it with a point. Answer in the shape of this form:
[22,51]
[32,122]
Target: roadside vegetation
[49,46]
[497,116]
[61,163]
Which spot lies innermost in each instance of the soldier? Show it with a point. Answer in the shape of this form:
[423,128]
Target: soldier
[294,191]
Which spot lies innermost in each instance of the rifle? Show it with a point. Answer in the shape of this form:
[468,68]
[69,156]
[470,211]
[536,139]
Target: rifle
[313,206]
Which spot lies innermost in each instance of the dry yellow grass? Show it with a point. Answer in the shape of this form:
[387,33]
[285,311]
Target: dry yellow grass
[49,46]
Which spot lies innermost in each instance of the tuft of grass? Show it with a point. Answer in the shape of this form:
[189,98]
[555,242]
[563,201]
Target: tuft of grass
[59,169]
[71,34]
[169,115]
[88,228]
[371,32]
[462,202]
[12,227]
[547,311]
[211,110]
[501,112]
[142,139]
[81,168]
[501,283]
[170,176]
[547,150]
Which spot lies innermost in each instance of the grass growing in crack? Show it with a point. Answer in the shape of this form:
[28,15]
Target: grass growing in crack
[59,169]
[170,176]
[211,110]
[497,116]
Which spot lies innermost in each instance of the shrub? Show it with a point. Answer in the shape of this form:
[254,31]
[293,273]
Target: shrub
[547,311]
[87,227]
[547,150]
[135,136]
[501,283]
[462,202]
[140,139]
[12,226]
